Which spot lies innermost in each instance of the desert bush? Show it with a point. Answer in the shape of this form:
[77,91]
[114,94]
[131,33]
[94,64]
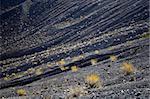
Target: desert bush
[74,68]
[93,80]
[21,92]
[113,58]
[93,61]
[128,68]
[75,91]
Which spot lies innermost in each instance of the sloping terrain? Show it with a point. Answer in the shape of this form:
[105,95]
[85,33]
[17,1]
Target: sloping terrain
[41,41]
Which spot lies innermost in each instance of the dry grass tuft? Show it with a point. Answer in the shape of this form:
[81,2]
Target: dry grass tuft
[61,62]
[63,68]
[128,68]
[31,70]
[21,92]
[93,61]
[96,51]
[39,71]
[74,68]
[76,91]
[113,58]
[93,80]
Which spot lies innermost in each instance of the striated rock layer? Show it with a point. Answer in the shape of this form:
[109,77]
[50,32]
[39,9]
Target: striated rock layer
[48,47]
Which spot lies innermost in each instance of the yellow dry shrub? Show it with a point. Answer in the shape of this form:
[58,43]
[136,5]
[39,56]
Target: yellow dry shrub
[113,58]
[21,92]
[75,91]
[49,65]
[66,67]
[128,68]
[62,68]
[6,78]
[61,62]
[74,68]
[31,70]
[96,51]
[93,80]
[38,71]
[93,61]
[81,56]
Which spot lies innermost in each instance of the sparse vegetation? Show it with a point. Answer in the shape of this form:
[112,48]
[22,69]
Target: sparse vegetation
[21,92]
[96,51]
[38,71]
[113,58]
[93,80]
[128,68]
[74,68]
[93,61]
[62,68]
[75,49]
[61,62]
[6,78]
[75,91]
[31,70]
[49,65]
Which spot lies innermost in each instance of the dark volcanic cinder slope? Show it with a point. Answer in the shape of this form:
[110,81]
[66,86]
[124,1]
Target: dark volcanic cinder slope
[41,41]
